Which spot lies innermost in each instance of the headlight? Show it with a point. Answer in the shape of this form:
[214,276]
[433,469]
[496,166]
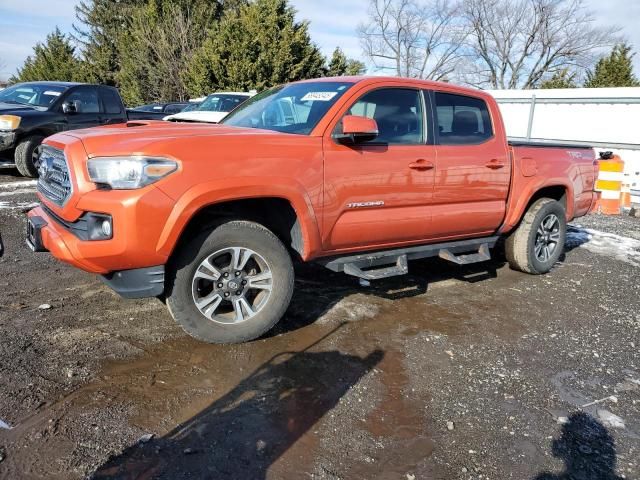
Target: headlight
[128,173]
[9,122]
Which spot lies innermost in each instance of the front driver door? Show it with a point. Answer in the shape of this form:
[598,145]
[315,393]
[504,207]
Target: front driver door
[378,193]
[87,104]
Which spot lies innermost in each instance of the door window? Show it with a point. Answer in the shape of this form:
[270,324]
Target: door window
[111,101]
[398,113]
[85,99]
[462,120]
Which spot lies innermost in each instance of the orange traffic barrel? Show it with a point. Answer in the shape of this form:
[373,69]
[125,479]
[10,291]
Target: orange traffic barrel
[609,183]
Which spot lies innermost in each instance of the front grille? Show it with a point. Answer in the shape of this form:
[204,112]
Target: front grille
[53,175]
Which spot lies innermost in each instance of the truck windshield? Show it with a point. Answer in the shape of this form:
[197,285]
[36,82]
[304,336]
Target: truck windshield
[296,108]
[35,95]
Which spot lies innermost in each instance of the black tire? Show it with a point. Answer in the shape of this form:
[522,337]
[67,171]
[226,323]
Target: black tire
[24,155]
[521,247]
[188,261]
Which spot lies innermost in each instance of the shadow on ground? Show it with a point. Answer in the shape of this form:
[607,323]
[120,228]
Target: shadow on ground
[587,449]
[244,432]
[318,290]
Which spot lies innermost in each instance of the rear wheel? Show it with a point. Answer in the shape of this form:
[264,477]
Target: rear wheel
[231,284]
[536,245]
[24,155]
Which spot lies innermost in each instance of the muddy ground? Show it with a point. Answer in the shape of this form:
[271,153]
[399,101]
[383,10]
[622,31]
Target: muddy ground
[476,372]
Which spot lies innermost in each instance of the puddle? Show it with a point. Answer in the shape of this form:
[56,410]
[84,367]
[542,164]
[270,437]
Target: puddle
[261,409]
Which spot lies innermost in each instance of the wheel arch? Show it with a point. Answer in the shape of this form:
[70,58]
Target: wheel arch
[290,217]
[556,190]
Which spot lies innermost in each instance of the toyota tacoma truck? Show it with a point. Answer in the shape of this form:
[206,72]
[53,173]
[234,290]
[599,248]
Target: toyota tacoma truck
[358,174]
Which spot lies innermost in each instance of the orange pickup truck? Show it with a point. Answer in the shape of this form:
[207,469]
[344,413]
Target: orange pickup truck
[358,174]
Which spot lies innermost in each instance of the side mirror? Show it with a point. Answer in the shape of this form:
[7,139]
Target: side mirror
[356,129]
[69,108]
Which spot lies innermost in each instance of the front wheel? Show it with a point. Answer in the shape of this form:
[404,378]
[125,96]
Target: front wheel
[536,245]
[230,284]
[24,155]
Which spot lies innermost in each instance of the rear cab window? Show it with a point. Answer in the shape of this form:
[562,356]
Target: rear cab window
[461,120]
[111,101]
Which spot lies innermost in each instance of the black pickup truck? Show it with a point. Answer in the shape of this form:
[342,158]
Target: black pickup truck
[30,112]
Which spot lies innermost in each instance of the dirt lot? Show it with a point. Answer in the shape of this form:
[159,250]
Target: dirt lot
[477,372]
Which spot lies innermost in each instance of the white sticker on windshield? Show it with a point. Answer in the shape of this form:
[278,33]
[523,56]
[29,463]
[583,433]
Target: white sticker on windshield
[49,92]
[318,96]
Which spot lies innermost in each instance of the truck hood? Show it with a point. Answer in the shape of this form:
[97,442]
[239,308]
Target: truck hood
[196,116]
[15,109]
[136,138]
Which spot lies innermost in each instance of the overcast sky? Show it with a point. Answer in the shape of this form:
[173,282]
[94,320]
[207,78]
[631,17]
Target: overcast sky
[333,22]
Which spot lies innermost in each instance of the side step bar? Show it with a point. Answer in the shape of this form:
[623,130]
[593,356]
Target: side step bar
[391,263]
[482,256]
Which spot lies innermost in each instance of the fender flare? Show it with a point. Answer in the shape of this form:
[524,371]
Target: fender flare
[519,205]
[229,189]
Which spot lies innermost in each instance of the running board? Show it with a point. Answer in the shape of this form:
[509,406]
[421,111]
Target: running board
[482,256]
[401,268]
[392,263]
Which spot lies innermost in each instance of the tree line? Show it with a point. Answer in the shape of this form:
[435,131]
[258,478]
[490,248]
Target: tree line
[155,50]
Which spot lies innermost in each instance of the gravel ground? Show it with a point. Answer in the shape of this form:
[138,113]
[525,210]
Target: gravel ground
[449,372]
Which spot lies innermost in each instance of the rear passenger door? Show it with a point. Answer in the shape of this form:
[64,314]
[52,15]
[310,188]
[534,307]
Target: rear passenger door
[112,109]
[473,170]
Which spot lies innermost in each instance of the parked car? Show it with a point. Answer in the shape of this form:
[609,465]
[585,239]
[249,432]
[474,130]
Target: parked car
[30,112]
[358,174]
[166,108]
[193,105]
[213,108]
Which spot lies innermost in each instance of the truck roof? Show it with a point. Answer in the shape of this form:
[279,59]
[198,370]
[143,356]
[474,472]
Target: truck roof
[55,83]
[409,81]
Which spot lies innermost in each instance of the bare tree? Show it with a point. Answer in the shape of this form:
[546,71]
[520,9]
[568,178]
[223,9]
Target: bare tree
[520,43]
[415,38]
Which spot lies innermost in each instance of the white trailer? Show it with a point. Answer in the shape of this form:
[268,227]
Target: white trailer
[606,118]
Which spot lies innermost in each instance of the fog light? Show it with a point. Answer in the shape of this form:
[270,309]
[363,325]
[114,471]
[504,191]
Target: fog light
[99,227]
[106,228]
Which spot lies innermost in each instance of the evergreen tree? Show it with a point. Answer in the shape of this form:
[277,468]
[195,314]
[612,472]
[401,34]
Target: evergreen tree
[102,23]
[340,65]
[142,46]
[158,48]
[616,70]
[561,79]
[255,47]
[52,60]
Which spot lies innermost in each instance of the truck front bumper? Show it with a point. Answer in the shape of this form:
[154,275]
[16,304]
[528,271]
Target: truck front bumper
[7,140]
[46,233]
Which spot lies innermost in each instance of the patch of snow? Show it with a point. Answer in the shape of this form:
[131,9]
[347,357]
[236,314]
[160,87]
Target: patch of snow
[608,419]
[621,248]
[17,206]
[17,191]
[23,183]
[4,425]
